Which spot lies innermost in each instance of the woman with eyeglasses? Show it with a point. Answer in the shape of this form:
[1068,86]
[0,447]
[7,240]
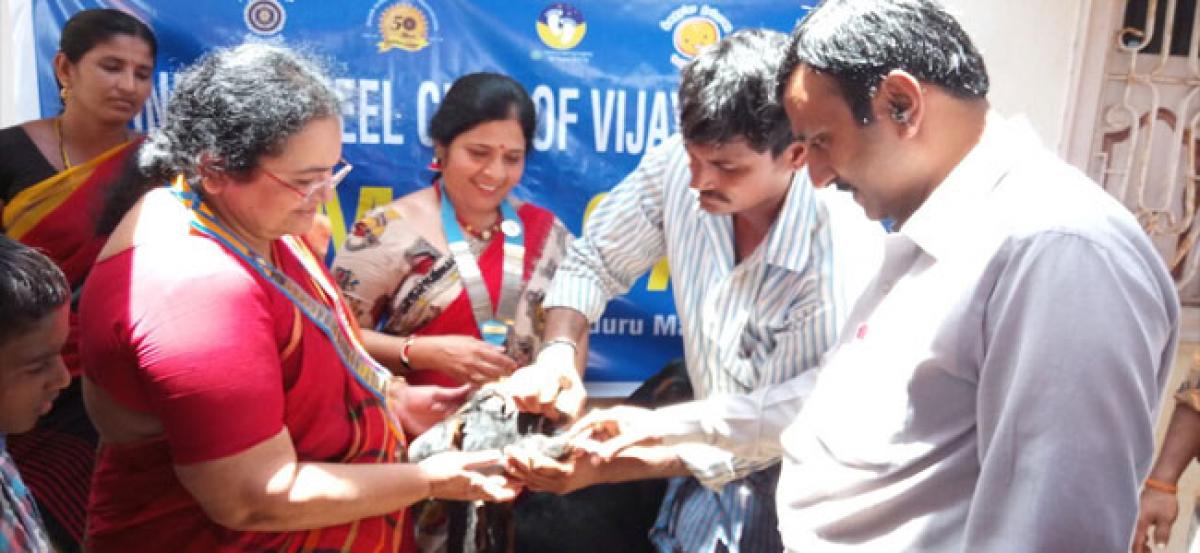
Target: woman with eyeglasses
[451,277]
[54,175]
[237,408]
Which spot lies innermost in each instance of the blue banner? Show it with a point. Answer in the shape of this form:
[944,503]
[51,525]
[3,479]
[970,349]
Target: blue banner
[602,74]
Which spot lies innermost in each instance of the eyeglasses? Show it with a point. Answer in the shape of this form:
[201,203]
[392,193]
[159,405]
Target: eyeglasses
[307,191]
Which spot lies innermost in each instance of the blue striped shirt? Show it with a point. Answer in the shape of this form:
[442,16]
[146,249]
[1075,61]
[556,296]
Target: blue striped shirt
[745,325]
[20,524]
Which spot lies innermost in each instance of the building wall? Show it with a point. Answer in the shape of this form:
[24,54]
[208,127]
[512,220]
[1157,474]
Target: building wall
[1032,52]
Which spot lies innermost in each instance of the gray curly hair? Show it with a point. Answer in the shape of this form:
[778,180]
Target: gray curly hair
[234,106]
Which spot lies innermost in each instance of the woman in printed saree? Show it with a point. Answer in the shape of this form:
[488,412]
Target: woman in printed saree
[452,276]
[237,408]
[54,176]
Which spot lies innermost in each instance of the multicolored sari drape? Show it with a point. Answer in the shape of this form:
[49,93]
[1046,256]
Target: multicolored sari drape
[58,215]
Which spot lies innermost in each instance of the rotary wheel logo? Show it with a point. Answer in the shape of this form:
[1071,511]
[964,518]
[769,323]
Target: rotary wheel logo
[694,34]
[264,17]
[403,26]
[561,26]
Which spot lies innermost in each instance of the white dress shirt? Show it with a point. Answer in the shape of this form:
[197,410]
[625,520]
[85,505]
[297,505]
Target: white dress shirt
[994,389]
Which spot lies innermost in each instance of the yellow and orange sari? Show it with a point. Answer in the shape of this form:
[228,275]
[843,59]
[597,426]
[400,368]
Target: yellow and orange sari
[58,215]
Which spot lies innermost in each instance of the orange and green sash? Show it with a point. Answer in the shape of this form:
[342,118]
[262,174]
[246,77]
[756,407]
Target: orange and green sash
[58,215]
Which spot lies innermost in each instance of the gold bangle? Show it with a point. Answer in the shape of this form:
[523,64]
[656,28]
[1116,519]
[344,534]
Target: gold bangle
[1161,486]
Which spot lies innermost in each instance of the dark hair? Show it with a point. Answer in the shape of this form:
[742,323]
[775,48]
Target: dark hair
[479,98]
[228,109]
[126,189]
[728,92]
[31,287]
[858,42]
[84,30]
[234,106]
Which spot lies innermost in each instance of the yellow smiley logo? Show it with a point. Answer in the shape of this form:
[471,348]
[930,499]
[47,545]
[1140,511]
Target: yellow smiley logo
[694,34]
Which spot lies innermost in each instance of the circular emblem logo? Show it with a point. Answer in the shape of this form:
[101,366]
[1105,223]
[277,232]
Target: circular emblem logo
[561,26]
[403,26]
[694,34]
[264,17]
[510,228]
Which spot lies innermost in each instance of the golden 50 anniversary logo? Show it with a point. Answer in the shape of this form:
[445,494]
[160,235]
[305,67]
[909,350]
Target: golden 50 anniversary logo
[405,26]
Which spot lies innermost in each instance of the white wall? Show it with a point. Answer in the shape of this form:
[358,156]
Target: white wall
[18,76]
[1034,50]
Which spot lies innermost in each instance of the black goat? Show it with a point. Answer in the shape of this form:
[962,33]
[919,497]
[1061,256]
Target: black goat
[606,517]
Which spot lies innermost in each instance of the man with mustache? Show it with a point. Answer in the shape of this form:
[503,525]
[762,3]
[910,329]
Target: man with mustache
[761,271]
[995,388]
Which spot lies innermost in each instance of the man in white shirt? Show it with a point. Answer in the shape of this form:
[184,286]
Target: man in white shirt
[995,387]
[761,273]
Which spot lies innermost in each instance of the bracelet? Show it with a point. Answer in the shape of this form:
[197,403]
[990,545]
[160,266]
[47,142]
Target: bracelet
[560,340]
[404,350]
[1161,486]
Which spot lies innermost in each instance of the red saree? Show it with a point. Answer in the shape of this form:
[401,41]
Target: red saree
[189,333]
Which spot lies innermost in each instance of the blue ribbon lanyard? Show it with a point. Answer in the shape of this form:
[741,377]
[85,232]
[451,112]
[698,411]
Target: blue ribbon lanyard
[494,325]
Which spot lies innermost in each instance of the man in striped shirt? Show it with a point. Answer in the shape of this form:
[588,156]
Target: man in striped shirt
[761,277]
[33,328]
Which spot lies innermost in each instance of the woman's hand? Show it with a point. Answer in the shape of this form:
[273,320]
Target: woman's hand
[464,358]
[468,476]
[1156,509]
[420,407]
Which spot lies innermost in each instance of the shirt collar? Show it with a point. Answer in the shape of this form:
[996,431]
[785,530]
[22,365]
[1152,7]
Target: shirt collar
[936,226]
[796,219]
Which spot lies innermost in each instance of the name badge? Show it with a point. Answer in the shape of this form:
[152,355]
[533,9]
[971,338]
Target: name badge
[494,332]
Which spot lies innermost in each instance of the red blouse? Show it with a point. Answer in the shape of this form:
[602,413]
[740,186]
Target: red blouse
[184,331]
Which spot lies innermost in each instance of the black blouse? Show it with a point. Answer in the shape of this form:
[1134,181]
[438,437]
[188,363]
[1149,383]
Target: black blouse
[21,163]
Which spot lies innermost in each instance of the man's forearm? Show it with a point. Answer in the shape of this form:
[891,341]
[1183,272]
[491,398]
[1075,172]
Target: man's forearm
[642,463]
[569,324]
[564,322]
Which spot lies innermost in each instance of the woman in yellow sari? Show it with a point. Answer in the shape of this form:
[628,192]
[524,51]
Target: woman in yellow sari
[55,174]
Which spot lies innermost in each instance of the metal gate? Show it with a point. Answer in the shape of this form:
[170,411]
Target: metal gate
[1146,151]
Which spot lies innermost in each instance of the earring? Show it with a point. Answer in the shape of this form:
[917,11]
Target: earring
[900,116]
[64,93]
[435,165]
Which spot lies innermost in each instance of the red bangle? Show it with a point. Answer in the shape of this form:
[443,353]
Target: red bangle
[404,350]
[1161,486]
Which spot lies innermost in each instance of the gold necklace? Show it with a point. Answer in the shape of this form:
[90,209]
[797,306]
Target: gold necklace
[484,234]
[62,144]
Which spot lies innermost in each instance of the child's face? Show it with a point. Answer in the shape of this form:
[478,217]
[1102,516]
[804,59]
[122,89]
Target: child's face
[32,372]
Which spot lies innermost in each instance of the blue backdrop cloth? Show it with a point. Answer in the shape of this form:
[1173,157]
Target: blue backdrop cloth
[602,74]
